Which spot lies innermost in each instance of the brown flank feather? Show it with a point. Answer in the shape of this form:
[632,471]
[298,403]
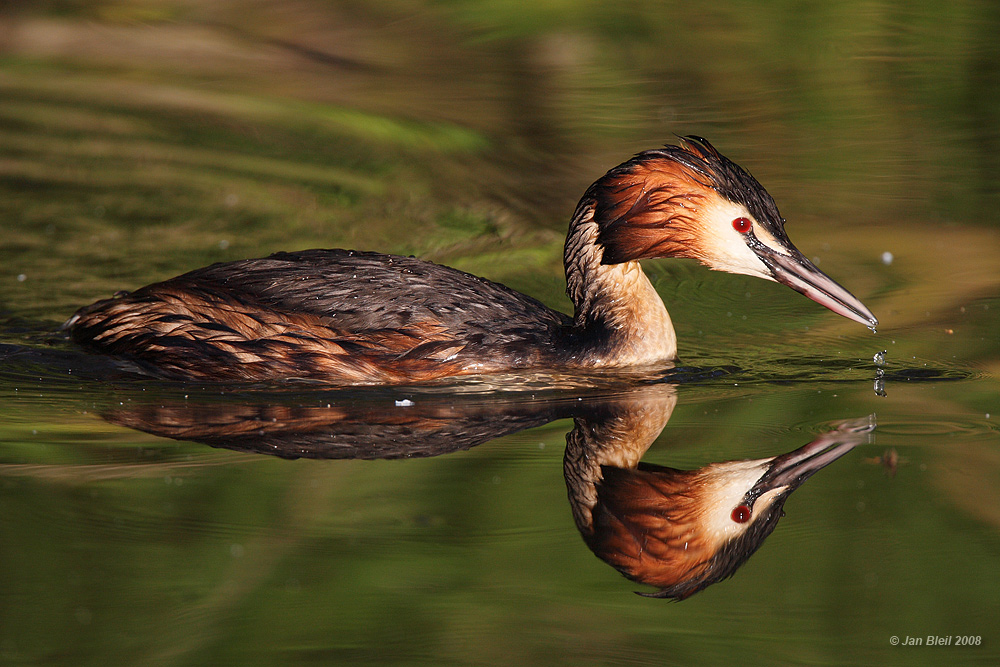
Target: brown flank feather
[253,342]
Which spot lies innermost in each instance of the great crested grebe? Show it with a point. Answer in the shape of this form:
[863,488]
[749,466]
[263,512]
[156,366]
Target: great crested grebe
[680,530]
[352,317]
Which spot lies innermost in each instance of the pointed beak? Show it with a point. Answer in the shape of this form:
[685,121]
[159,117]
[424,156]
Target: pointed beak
[794,270]
[790,470]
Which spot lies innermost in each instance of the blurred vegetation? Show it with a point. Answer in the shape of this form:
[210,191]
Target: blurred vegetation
[143,138]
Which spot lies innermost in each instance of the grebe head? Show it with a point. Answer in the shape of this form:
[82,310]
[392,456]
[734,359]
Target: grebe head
[691,201]
[683,530]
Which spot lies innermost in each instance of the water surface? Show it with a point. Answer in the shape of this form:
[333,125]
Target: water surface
[146,522]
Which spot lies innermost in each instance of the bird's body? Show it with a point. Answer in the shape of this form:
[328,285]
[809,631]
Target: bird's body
[427,319]
[367,318]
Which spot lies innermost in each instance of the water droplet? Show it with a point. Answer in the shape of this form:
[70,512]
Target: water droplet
[887,258]
[405,403]
[879,358]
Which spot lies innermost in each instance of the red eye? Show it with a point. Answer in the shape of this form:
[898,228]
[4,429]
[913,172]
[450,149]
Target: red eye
[742,225]
[742,513]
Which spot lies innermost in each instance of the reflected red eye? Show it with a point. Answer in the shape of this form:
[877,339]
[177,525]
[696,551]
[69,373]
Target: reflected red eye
[742,513]
[742,225]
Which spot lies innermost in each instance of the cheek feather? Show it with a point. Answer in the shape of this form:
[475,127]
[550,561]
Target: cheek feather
[722,247]
[725,488]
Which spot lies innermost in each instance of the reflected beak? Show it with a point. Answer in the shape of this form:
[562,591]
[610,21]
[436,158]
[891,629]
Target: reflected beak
[790,470]
[802,276]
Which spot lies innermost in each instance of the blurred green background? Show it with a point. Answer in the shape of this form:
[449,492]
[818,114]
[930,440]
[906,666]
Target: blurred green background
[143,138]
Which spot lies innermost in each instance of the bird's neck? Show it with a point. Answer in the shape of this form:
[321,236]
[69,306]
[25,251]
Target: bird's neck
[617,437]
[615,302]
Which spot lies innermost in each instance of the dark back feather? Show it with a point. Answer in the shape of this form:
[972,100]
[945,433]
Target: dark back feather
[323,314]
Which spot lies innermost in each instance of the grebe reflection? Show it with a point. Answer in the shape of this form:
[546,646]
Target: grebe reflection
[676,530]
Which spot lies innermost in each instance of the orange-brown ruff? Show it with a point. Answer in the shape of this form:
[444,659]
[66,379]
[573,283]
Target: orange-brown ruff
[358,318]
